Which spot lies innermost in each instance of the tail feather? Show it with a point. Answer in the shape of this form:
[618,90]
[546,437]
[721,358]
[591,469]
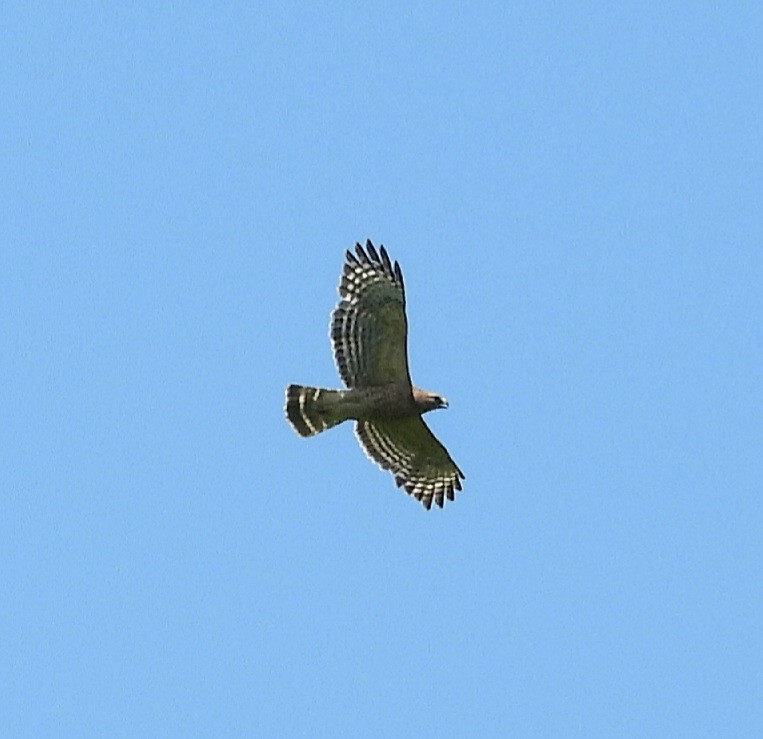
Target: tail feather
[311,410]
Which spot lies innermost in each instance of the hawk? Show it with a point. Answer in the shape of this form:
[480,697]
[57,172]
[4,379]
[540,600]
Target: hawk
[369,336]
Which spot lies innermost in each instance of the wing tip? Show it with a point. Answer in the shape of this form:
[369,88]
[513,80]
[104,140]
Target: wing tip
[369,255]
[371,249]
[362,256]
[399,274]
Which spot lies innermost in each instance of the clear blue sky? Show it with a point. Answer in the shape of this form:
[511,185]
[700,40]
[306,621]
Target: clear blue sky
[575,195]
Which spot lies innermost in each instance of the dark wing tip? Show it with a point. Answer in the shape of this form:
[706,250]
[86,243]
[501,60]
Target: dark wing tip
[398,274]
[387,264]
[363,256]
[369,255]
[372,251]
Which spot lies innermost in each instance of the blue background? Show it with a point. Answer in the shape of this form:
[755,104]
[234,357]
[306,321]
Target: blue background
[575,194]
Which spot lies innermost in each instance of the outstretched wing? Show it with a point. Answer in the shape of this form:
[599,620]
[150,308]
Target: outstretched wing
[410,451]
[368,326]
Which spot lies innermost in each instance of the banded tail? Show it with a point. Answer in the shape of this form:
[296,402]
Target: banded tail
[311,410]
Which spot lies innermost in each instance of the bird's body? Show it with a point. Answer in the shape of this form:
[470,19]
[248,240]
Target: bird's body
[369,336]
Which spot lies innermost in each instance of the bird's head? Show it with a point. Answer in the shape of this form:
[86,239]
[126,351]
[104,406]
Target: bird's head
[426,401]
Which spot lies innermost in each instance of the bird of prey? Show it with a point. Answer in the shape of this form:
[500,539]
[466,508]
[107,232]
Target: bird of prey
[369,333]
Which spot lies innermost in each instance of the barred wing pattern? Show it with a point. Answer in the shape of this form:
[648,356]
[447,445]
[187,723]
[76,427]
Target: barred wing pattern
[368,327]
[411,452]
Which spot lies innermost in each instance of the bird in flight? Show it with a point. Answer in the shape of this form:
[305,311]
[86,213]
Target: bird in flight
[369,333]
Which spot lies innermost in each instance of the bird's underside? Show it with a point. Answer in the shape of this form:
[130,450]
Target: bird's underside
[369,338]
